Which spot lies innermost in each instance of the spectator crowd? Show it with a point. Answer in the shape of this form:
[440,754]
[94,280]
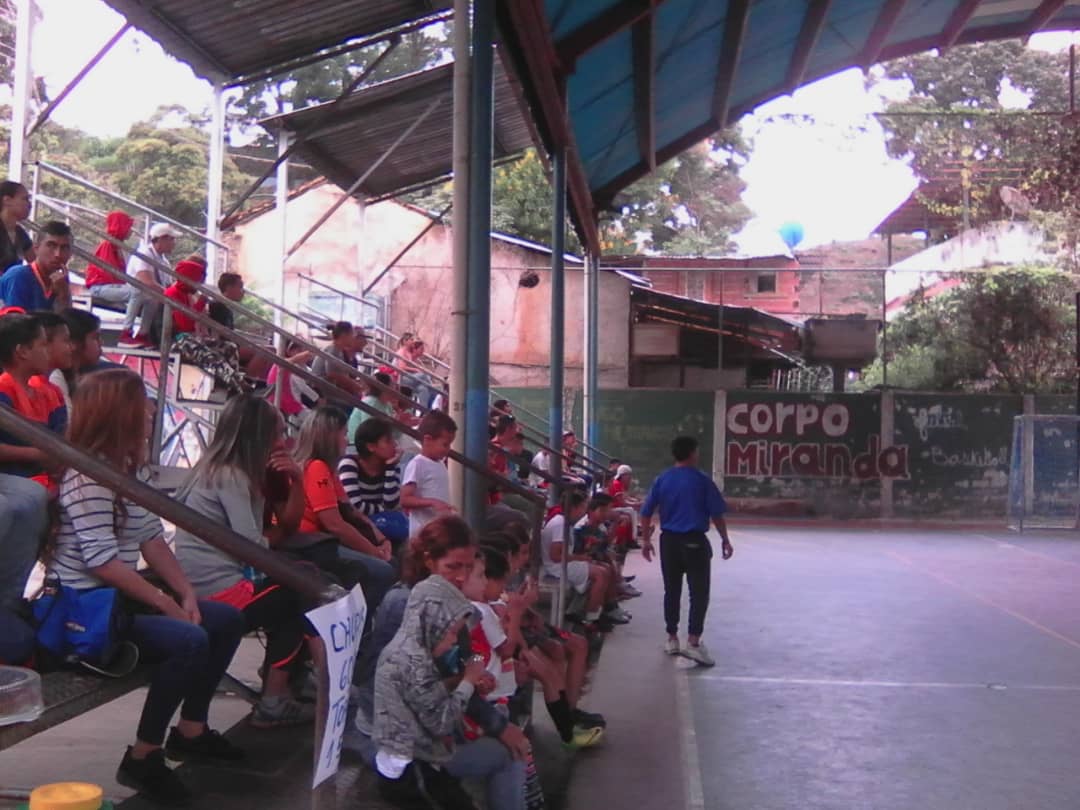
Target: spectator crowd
[332,480]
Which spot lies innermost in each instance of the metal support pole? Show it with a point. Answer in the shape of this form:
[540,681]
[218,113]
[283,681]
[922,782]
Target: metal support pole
[558,313]
[281,197]
[34,191]
[591,371]
[478,349]
[460,302]
[20,87]
[163,383]
[884,333]
[215,179]
[362,178]
[43,116]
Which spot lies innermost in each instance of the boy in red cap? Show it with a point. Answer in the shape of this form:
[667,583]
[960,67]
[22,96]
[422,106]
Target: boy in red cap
[213,354]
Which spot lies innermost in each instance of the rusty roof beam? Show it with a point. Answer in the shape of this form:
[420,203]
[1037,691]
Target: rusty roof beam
[958,20]
[600,28]
[1043,14]
[813,22]
[643,36]
[730,52]
[879,34]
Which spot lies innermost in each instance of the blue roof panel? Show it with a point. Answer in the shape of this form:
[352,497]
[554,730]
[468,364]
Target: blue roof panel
[569,15]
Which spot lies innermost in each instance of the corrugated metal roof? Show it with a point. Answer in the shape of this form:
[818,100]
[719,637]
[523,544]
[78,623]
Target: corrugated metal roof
[353,135]
[226,39]
[646,79]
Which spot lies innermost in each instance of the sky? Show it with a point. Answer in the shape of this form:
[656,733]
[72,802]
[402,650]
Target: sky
[831,175]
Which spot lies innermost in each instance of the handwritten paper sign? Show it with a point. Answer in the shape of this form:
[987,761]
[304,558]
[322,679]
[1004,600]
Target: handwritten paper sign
[340,625]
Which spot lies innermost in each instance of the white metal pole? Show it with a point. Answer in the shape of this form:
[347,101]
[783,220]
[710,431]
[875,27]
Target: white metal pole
[215,178]
[460,301]
[20,91]
[281,200]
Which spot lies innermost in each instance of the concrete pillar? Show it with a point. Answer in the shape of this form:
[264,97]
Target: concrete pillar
[888,439]
[719,453]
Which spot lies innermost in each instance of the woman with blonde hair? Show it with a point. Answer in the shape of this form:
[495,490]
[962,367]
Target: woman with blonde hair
[100,539]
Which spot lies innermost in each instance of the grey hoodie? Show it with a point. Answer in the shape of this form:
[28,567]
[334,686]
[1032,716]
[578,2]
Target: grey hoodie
[415,714]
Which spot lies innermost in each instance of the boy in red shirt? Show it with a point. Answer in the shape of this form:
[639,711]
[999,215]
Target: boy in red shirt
[24,353]
[213,354]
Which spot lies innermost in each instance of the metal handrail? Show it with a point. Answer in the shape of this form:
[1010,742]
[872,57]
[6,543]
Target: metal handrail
[215,534]
[492,394]
[79,181]
[326,387]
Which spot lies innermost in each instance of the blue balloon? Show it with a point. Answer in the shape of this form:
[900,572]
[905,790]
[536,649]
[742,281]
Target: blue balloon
[792,233]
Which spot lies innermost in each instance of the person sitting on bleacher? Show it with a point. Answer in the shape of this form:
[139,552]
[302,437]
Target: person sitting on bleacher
[161,244]
[564,652]
[24,353]
[105,289]
[582,574]
[379,399]
[61,357]
[16,246]
[372,479]
[43,283]
[297,397]
[228,486]
[346,342]
[84,332]
[328,514]
[212,353]
[423,685]
[100,539]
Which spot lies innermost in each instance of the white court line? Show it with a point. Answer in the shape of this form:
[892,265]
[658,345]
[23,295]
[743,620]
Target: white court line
[695,794]
[886,684]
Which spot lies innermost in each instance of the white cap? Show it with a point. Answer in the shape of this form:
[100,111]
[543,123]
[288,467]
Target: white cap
[163,229]
[624,469]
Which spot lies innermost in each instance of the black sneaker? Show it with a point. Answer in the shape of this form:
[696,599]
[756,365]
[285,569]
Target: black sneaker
[208,745]
[589,719]
[153,779]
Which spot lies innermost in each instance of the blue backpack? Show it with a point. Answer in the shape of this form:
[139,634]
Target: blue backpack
[85,628]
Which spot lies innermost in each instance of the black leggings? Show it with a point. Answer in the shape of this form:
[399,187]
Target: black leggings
[423,787]
[687,554]
[280,612]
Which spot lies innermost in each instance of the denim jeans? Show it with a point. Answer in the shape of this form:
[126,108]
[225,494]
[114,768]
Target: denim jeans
[143,306]
[375,575]
[23,518]
[114,294]
[488,760]
[191,660]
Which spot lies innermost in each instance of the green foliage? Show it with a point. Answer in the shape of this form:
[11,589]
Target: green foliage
[690,206]
[1005,330]
[964,135]
[324,81]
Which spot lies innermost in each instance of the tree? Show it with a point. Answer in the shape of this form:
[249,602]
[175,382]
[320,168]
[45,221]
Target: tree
[956,131]
[690,206]
[1005,330]
[324,81]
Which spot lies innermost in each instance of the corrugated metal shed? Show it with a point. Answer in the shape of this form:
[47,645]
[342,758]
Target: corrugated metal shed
[226,39]
[348,140]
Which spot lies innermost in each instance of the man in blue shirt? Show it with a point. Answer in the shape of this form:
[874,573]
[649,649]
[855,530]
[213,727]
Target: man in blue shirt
[42,284]
[687,500]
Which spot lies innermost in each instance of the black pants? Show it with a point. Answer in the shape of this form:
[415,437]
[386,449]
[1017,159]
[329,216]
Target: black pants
[688,555]
[422,787]
[280,612]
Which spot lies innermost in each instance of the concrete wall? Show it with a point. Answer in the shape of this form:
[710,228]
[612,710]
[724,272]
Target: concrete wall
[893,455]
[358,241]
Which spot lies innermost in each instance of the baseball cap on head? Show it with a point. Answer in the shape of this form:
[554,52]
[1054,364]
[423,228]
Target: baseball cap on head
[624,469]
[163,229]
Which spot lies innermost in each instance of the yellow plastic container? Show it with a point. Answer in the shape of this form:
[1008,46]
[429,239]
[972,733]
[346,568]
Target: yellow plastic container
[67,796]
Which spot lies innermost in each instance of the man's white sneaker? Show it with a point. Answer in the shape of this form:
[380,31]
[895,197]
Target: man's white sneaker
[698,653]
[671,646]
[618,615]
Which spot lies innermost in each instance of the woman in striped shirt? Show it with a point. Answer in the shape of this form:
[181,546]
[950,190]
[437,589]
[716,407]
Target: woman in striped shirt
[100,539]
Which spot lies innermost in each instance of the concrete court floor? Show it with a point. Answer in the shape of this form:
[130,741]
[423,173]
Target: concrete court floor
[855,669]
